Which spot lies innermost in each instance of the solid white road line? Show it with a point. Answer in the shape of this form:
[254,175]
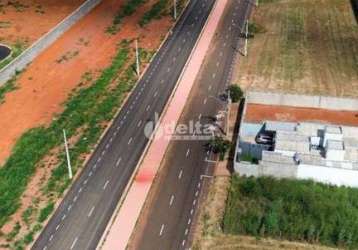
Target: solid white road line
[119,161]
[90,212]
[180,174]
[105,184]
[161,230]
[74,243]
[171,200]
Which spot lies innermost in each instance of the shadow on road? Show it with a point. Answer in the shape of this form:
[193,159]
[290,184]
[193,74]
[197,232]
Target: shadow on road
[354,4]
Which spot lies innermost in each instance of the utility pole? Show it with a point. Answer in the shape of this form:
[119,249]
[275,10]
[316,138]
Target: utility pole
[67,156]
[137,56]
[246,37]
[175,9]
[228,115]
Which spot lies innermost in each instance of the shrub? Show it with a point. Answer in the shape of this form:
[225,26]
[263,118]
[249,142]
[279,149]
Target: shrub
[235,93]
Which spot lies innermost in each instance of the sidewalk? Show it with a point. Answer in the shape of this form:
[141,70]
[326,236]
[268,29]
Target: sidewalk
[126,219]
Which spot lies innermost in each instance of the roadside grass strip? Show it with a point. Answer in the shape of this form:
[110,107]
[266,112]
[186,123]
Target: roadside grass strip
[295,210]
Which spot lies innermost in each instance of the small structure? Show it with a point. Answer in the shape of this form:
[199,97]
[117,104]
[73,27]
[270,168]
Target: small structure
[302,148]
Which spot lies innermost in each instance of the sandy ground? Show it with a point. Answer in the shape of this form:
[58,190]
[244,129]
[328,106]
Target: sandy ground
[46,83]
[28,20]
[307,47]
[259,113]
[50,79]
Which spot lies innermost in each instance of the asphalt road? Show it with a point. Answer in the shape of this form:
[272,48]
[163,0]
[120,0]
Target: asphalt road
[171,211]
[82,217]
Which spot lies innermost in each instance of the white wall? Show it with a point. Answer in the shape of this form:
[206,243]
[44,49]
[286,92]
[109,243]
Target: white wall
[328,175]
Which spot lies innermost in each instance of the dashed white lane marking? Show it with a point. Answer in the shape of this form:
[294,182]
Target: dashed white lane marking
[187,152]
[63,217]
[156,93]
[74,243]
[213,75]
[130,140]
[205,100]
[217,64]
[75,199]
[69,207]
[199,185]
[179,49]
[224,44]
[199,116]
[189,221]
[148,107]
[174,59]
[161,230]
[51,237]
[85,181]
[183,243]
[105,185]
[139,123]
[221,53]
[180,174]
[80,190]
[194,202]
[191,211]
[103,152]
[171,200]
[45,248]
[119,161]
[57,227]
[162,81]
[209,87]
[90,212]
[186,231]
[90,174]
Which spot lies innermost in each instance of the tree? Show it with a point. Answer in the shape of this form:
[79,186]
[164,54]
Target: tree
[219,146]
[235,93]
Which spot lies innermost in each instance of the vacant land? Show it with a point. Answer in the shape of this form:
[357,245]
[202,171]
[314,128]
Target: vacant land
[22,22]
[293,210]
[305,46]
[209,233]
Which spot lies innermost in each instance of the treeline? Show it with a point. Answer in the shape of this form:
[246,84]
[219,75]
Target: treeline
[293,210]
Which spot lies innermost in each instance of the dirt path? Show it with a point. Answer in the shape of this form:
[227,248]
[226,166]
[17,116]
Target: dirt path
[48,81]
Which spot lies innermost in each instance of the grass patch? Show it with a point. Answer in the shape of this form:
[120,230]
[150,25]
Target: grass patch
[126,10]
[46,211]
[9,86]
[154,13]
[293,210]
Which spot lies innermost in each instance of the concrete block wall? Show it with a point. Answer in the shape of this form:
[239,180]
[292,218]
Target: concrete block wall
[305,101]
[45,41]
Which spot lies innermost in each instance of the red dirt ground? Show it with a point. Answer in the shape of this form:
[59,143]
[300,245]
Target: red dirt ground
[46,84]
[259,113]
[32,21]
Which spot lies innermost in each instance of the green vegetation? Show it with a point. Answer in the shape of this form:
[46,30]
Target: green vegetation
[154,13]
[13,232]
[293,210]
[16,50]
[46,211]
[88,108]
[219,146]
[126,10]
[235,93]
[10,85]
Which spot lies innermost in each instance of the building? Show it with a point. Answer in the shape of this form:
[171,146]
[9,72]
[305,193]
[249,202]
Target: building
[298,141]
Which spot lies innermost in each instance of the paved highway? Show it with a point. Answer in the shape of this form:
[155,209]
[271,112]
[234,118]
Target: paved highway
[171,210]
[81,218]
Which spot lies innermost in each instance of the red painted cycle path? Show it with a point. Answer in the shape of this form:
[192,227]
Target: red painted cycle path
[123,225]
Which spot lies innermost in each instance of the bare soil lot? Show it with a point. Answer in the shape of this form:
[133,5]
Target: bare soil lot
[305,46]
[28,20]
[259,113]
